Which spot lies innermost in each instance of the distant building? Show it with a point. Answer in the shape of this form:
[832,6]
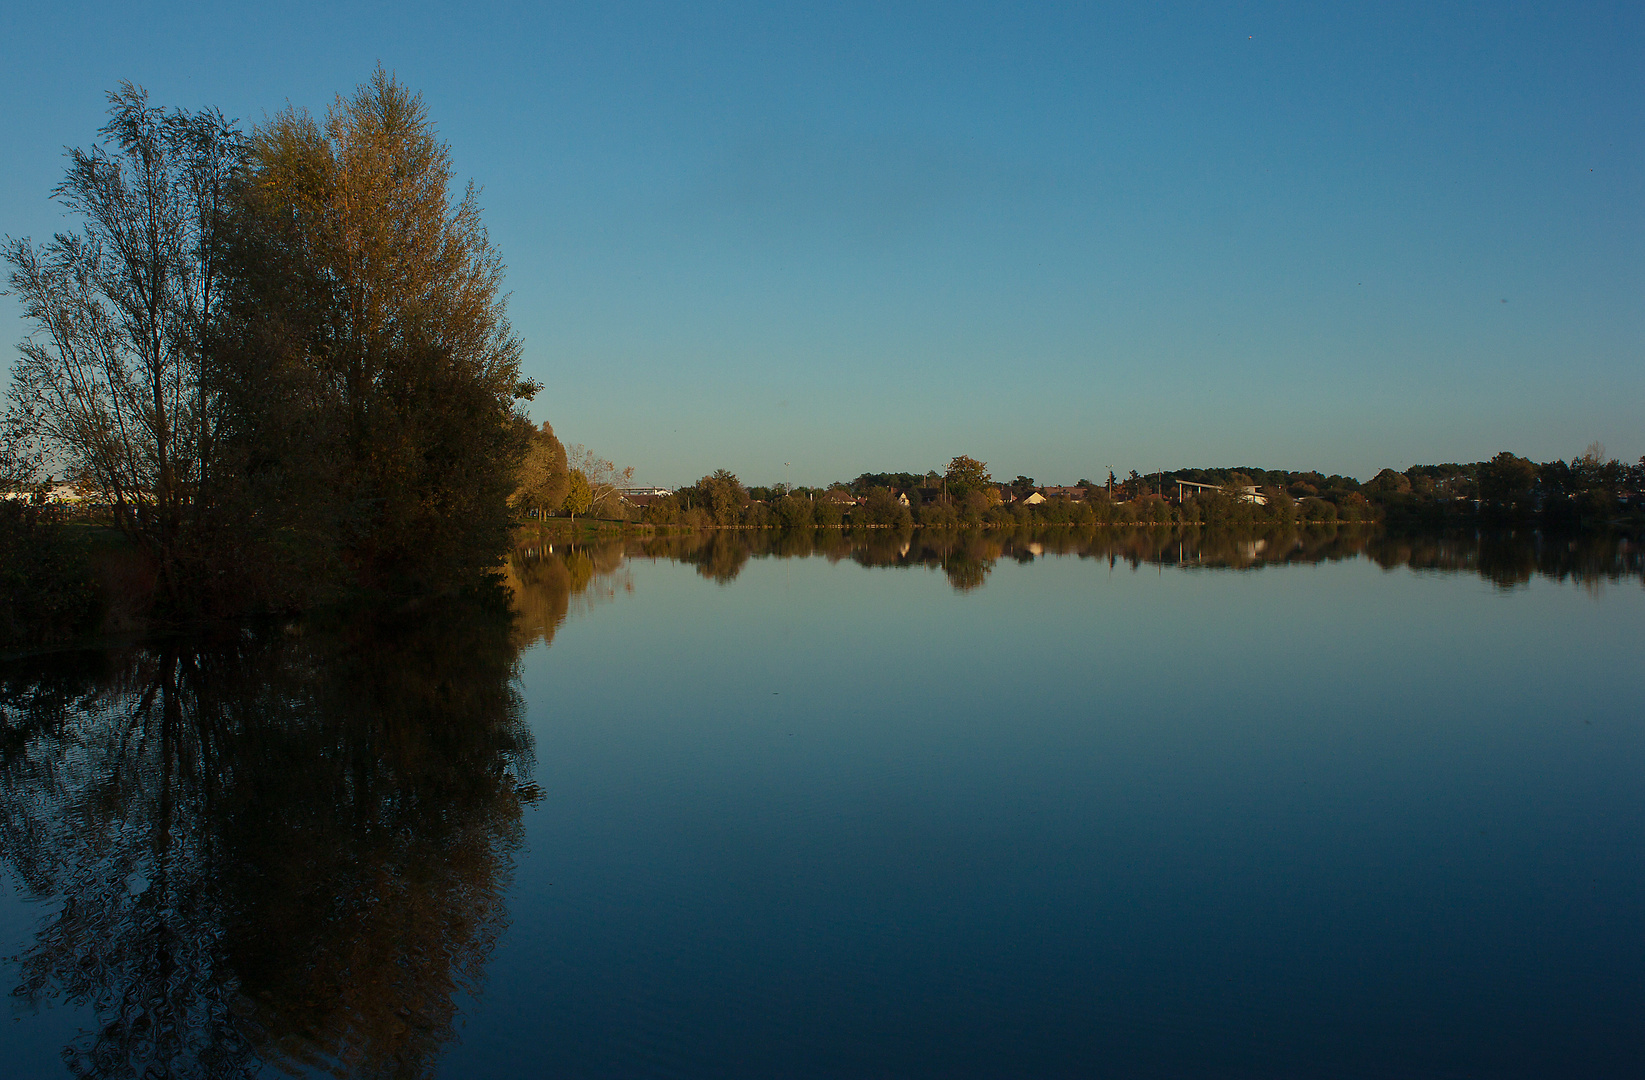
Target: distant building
[1033,498]
[51,493]
[1248,493]
[1075,494]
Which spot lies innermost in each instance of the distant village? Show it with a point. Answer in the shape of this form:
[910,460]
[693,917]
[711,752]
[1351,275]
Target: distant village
[1587,489]
[856,493]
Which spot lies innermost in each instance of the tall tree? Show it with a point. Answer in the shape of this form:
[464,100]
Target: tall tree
[544,474]
[605,480]
[722,495]
[384,289]
[966,474]
[113,379]
[579,495]
[1506,478]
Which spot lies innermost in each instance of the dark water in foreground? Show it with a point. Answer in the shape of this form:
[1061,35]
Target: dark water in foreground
[1071,805]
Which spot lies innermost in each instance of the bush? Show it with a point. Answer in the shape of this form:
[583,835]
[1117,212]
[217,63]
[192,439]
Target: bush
[663,511]
[938,515]
[46,589]
[794,511]
[1318,510]
[973,505]
[882,508]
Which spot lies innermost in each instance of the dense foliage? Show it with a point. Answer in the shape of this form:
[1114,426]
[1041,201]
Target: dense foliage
[280,362]
[47,591]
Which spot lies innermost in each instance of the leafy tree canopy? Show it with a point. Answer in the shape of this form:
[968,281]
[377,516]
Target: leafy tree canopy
[966,474]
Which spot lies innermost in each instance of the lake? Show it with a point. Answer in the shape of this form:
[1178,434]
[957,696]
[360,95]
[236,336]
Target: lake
[1134,804]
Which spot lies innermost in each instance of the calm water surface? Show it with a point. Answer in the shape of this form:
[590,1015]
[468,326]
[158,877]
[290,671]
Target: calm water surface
[1076,805]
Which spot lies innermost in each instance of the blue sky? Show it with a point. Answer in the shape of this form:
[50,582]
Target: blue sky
[1058,238]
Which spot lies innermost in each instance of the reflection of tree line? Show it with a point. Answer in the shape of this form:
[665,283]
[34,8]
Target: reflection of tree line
[968,556]
[548,579]
[276,849]
[1513,558]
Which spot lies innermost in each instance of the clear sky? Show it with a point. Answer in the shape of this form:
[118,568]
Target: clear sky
[1056,237]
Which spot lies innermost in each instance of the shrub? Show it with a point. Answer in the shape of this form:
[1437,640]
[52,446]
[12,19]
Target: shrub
[938,515]
[46,590]
[794,511]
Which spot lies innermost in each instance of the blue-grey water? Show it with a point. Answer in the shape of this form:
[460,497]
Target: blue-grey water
[1094,806]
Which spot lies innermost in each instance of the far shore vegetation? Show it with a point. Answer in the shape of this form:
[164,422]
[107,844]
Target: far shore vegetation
[1588,491]
[273,372]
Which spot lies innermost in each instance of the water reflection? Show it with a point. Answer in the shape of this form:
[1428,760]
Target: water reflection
[967,558]
[285,848]
[548,582]
[290,846]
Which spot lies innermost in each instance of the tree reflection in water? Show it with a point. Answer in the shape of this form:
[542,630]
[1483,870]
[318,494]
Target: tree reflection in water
[967,557]
[285,848]
[291,846]
[547,582]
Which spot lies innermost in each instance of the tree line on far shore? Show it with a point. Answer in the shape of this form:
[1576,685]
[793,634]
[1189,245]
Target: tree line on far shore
[1587,490]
